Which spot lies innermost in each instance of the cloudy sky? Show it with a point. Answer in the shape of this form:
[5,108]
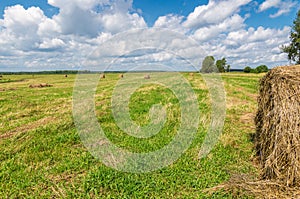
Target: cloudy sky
[67,34]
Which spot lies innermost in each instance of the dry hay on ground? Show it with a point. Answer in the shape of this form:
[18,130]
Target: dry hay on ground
[277,121]
[241,185]
[121,75]
[102,76]
[7,89]
[40,85]
[147,77]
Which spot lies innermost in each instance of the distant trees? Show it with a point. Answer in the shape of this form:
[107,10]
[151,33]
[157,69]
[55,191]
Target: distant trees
[221,64]
[247,69]
[262,69]
[228,68]
[293,49]
[258,69]
[209,65]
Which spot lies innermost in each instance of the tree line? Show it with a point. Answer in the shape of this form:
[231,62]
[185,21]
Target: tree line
[209,65]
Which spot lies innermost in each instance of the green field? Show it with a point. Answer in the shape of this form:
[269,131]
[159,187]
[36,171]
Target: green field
[42,156]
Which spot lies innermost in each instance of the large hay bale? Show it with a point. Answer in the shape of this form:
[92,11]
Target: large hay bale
[278,125]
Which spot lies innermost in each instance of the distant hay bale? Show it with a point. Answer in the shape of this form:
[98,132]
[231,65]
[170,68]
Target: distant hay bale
[40,85]
[147,76]
[102,76]
[277,121]
[121,75]
[66,75]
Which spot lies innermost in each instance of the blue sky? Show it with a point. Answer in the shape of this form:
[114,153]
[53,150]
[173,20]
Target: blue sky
[61,34]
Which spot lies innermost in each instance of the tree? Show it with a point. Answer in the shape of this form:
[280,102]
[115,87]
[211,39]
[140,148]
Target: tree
[247,69]
[262,69]
[221,64]
[228,68]
[208,65]
[293,49]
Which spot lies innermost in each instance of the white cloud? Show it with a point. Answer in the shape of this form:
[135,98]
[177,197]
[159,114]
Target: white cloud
[31,39]
[52,44]
[172,22]
[283,6]
[119,22]
[269,4]
[48,27]
[213,13]
[21,26]
[256,46]
[230,24]
[260,34]
[83,18]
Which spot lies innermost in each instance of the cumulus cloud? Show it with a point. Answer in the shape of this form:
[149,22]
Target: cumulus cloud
[172,22]
[283,6]
[269,4]
[256,46]
[230,24]
[52,44]
[215,12]
[95,16]
[31,39]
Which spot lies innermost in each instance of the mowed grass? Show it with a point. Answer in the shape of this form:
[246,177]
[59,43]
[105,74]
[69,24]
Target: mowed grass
[42,156]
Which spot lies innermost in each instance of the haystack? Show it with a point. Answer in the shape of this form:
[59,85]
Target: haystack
[277,121]
[147,76]
[102,76]
[40,85]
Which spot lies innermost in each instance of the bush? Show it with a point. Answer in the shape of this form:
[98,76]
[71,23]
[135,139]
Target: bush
[247,69]
[259,69]
[262,69]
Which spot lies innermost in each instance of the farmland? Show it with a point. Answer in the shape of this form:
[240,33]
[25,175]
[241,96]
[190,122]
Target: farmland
[42,154]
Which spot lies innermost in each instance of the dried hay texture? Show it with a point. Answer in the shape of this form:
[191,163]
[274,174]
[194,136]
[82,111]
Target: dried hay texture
[40,85]
[277,137]
[147,77]
[244,186]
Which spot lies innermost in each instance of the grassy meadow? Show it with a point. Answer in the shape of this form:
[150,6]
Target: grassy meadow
[42,156]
